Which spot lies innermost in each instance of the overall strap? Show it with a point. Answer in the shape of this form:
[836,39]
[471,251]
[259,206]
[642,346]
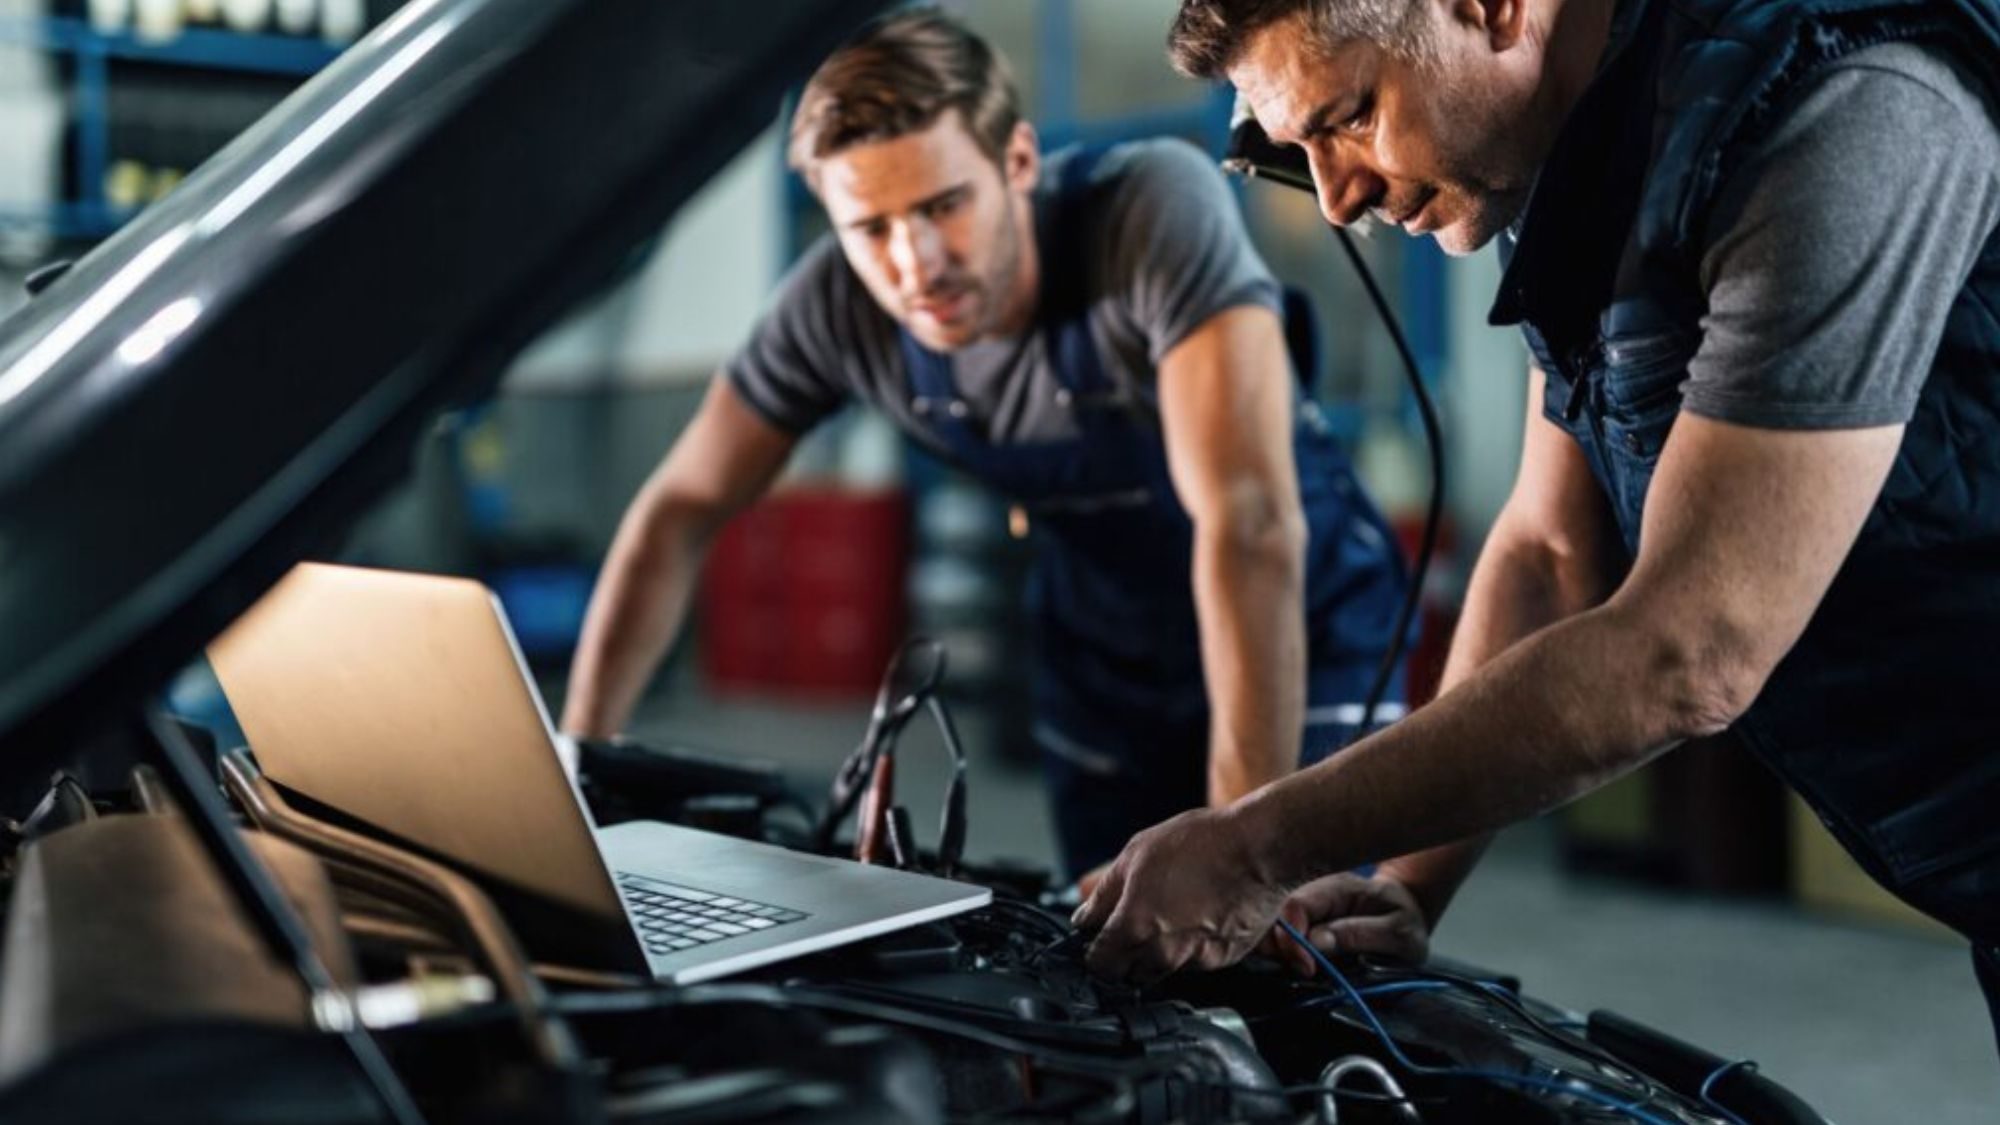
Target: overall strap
[1065,300]
[1064,310]
[933,389]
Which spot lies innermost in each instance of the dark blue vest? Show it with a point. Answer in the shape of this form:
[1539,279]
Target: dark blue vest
[1886,714]
[1111,587]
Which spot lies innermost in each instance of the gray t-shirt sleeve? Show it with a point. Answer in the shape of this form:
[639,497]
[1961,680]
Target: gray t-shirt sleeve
[792,368]
[1175,248]
[1840,243]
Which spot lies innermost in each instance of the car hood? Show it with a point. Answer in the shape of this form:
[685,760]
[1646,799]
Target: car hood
[222,386]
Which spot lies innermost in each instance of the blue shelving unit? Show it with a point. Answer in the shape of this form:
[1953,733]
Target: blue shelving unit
[89,215]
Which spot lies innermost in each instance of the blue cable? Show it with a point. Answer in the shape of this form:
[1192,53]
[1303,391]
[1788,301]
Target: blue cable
[1633,1110]
[1389,989]
[1396,986]
[1716,1075]
[1333,998]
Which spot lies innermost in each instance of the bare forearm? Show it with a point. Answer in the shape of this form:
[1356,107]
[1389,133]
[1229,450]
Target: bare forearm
[1516,590]
[1571,708]
[1249,590]
[636,612]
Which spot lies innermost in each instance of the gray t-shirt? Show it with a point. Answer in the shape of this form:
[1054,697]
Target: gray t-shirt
[1841,242]
[1167,251]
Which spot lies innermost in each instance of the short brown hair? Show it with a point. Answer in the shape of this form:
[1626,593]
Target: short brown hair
[1208,35]
[897,76]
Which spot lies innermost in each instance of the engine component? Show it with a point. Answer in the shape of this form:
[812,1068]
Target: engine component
[119,922]
[1338,1069]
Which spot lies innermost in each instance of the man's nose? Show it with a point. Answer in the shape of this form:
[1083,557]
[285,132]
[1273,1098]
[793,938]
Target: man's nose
[1346,189]
[917,252]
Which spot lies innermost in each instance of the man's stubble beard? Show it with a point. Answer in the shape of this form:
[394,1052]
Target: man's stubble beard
[1493,179]
[1006,273]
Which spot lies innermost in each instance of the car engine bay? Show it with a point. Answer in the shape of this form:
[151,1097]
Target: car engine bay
[132,986]
[184,941]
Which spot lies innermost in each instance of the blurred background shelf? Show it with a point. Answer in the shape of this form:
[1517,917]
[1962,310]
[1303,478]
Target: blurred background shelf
[117,100]
[200,47]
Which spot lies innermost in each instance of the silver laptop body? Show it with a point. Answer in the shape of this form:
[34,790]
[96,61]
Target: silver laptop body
[402,701]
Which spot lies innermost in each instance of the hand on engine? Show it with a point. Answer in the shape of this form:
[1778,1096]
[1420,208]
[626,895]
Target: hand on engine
[1187,891]
[1086,884]
[1351,914]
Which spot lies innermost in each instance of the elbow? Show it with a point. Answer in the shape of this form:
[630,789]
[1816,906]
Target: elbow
[1708,674]
[663,527]
[1571,571]
[1257,524]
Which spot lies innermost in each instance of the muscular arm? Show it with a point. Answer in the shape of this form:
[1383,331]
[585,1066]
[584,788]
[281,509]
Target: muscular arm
[1225,402]
[1726,580]
[725,458]
[1826,297]
[1552,553]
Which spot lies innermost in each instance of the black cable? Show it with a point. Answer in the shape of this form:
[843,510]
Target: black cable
[638,1000]
[1319,1088]
[1058,1111]
[1088,1034]
[1576,1044]
[1435,441]
[1494,993]
[1052,922]
[1038,1110]
[1576,1086]
[1707,1095]
[886,721]
[1251,152]
[951,818]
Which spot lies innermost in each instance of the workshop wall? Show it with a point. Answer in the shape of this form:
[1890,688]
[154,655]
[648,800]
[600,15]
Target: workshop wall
[690,300]
[698,294]
[31,116]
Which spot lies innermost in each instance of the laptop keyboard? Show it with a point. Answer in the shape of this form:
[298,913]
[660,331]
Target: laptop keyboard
[672,919]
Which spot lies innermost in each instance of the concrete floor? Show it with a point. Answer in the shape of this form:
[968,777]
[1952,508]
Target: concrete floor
[1871,1027]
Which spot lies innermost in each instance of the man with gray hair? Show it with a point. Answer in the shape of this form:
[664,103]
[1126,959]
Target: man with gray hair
[1754,248]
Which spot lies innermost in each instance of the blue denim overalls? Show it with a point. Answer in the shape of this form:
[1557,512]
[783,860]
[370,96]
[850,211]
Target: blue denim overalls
[1884,715]
[1121,708]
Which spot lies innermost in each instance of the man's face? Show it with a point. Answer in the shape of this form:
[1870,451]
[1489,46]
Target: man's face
[1447,148]
[940,233]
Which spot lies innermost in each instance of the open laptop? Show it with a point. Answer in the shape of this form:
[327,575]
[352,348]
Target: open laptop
[402,701]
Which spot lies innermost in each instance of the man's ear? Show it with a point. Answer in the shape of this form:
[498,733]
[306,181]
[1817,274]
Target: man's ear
[1503,22]
[1022,162]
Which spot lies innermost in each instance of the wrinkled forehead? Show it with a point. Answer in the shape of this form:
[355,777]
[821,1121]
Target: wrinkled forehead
[1289,75]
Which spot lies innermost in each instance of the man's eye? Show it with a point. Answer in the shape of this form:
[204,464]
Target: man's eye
[875,231]
[938,208]
[1361,118]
